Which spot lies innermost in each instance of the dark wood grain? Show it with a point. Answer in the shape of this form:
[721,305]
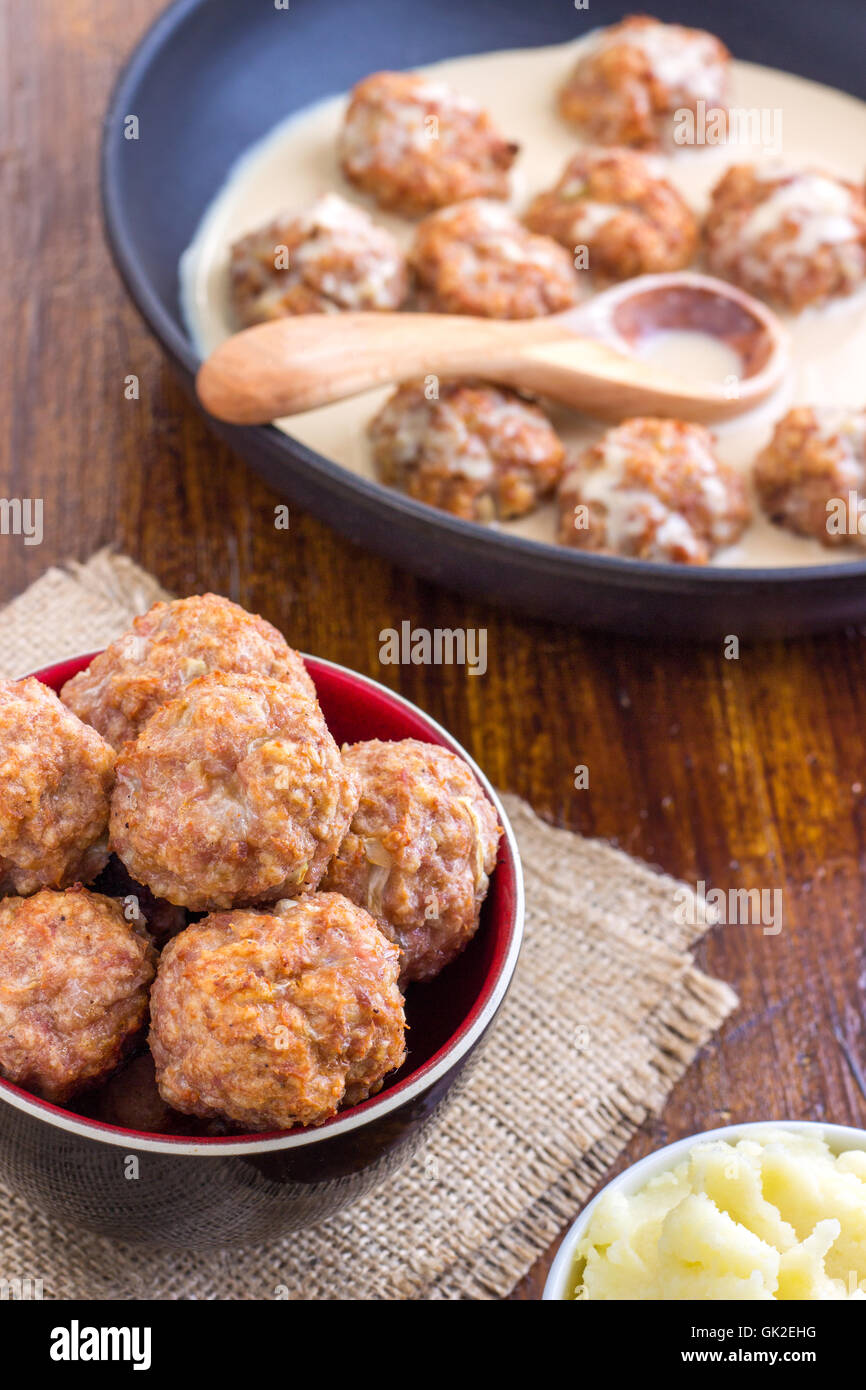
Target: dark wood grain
[735,772]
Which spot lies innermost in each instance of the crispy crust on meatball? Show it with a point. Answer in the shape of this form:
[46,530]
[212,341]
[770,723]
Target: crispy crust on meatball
[416,145]
[74,977]
[633,76]
[330,258]
[56,776]
[479,452]
[277,1018]
[632,221]
[421,848]
[794,237]
[168,647]
[234,794]
[477,258]
[814,462]
[653,490]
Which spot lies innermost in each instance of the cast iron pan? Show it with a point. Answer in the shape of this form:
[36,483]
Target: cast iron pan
[212,76]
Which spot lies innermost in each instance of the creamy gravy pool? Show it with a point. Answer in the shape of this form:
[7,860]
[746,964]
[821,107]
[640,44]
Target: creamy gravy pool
[297,162]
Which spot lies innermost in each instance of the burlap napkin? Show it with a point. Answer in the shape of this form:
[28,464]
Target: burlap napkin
[605,1014]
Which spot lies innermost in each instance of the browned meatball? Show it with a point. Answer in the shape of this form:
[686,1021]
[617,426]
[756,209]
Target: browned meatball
[811,478]
[330,258]
[74,979]
[56,776]
[420,851]
[234,793]
[632,78]
[631,221]
[655,490]
[277,1018]
[415,145]
[477,258]
[793,237]
[476,451]
[131,1099]
[167,648]
[159,918]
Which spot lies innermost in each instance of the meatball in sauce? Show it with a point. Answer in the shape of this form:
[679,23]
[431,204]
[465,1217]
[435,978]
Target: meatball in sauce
[414,144]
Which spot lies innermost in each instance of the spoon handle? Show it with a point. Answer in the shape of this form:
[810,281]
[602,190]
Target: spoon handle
[295,364]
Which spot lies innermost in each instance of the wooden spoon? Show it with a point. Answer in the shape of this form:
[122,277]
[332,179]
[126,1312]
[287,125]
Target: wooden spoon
[583,358]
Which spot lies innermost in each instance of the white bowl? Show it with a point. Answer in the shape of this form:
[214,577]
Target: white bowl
[839,1137]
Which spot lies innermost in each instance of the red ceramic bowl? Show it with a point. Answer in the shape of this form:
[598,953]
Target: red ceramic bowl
[206,1192]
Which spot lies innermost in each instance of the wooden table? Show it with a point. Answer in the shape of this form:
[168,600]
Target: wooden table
[748,772]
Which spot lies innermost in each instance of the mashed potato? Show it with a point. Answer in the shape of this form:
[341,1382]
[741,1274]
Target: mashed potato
[775,1216]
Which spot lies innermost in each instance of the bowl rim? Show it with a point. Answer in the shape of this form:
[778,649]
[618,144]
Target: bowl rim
[417,1083]
[173,337]
[660,1160]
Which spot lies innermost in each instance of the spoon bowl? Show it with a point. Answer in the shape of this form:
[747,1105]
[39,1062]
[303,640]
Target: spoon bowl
[586,358]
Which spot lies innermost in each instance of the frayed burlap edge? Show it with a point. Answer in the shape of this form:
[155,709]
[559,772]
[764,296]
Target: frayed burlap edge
[606,1013]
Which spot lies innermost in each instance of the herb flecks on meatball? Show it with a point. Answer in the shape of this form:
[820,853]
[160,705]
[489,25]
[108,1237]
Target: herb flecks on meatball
[479,452]
[74,977]
[413,144]
[420,851]
[234,793]
[477,258]
[277,1018]
[811,477]
[169,646]
[795,238]
[56,776]
[328,259]
[631,220]
[653,490]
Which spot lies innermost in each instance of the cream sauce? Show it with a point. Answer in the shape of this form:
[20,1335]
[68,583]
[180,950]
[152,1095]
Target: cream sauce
[297,162]
[695,357]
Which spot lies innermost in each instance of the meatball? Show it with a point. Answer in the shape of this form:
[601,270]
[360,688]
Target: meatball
[632,78]
[167,648]
[796,238]
[275,1018]
[479,452]
[131,1100]
[476,258]
[329,258]
[655,490]
[806,475]
[74,977]
[56,776]
[631,221]
[234,793]
[159,918]
[415,145]
[420,850]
